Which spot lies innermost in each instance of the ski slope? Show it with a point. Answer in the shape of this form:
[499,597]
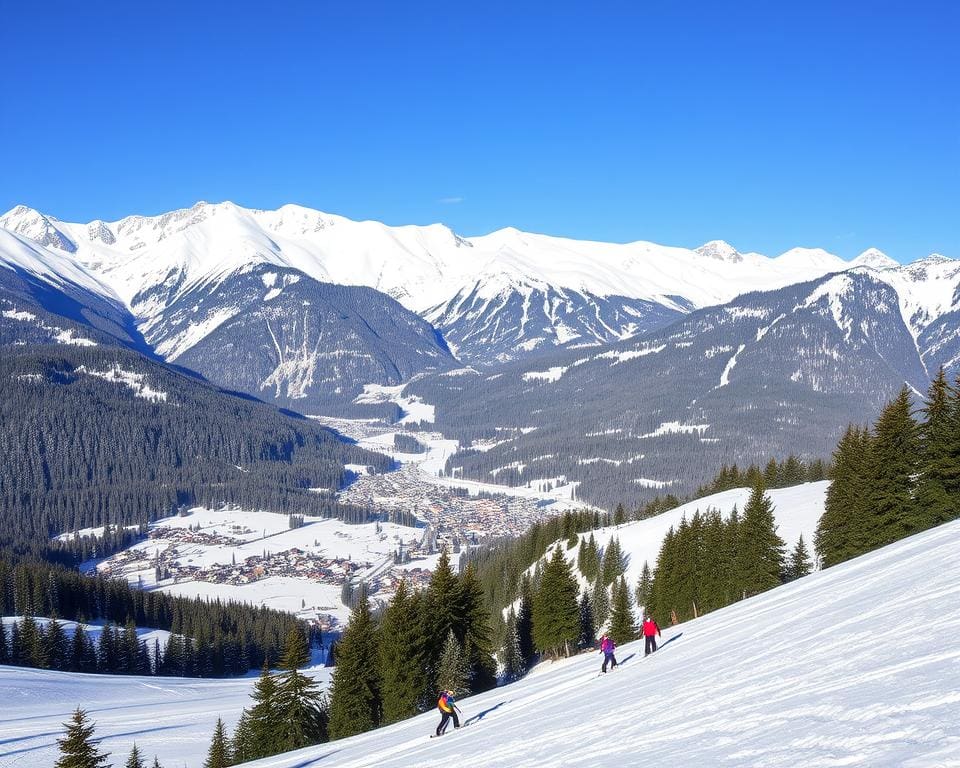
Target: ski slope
[858,665]
[797,510]
[170,717]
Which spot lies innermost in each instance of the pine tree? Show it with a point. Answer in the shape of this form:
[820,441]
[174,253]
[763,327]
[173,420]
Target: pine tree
[588,630]
[528,651]
[156,763]
[623,627]
[841,531]
[55,650]
[644,587]
[588,560]
[938,487]
[263,717]
[135,760]
[4,648]
[799,565]
[513,667]
[76,748]
[600,601]
[355,699]
[761,547]
[556,622]
[402,657]
[299,703]
[473,631]
[241,744]
[614,563]
[219,754]
[892,467]
[453,674]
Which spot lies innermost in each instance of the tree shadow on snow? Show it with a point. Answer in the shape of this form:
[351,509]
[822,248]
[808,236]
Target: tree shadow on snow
[667,642]
[315,760]
[480,715]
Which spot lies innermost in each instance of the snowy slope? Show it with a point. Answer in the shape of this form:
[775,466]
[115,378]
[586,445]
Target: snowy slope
[856,665]
[170,717]
[796,511]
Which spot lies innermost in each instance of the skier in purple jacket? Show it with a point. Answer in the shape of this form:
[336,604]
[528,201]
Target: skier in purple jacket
[607,647]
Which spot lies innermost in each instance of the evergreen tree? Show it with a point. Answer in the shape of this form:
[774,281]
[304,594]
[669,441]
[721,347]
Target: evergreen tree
[4,648]
[219,754]
[589,559]
[528,651]
[892,468]
[299,703]
[56,650]
[263,718]
[241,744]
[799,565]
[588,630]
[555,611]
[600,601]
[134,760]
[762,548]
[453,674]
[841,530]
[645,587]
[156,763]
[402,657]
[77,749]
[623,627]
[614,563]
[513,667]
[938,487]
[355,699]
[794,472]
[473,631]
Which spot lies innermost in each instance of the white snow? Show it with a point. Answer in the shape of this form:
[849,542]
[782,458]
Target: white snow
[550,375]
[676,428]
[725,376]
[856,665]
[135,381]
[413,407]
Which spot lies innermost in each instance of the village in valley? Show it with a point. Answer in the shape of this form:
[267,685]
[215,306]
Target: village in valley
[310,565]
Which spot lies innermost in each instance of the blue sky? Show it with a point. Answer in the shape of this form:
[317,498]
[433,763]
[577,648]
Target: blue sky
[768,124]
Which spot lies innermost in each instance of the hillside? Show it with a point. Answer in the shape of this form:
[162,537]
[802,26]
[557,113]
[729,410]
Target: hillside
[856,665]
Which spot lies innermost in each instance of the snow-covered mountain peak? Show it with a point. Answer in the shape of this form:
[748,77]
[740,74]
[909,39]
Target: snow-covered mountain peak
[876,259]
[37,227]
[816,258]
[21,253]
[719,250]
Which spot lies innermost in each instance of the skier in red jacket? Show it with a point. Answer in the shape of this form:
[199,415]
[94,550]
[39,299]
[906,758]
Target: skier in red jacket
[650,633]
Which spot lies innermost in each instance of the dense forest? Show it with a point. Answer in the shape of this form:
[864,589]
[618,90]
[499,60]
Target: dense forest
[94,435]
[210,638]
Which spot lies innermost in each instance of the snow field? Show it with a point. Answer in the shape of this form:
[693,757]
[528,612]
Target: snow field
[856,665]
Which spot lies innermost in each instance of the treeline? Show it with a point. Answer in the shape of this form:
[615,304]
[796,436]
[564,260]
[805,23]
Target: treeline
[897,478]
[210,639]
[707,562]
[81,451]
[775,474]
[287,712]
[408,443]
[389,666]
[500,564]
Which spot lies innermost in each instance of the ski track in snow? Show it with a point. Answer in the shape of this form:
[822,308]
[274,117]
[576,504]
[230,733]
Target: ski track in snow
[857,665]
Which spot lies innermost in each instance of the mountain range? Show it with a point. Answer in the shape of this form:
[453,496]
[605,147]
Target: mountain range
[628,368]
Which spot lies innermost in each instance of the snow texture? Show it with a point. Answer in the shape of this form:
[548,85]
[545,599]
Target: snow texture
[857,665]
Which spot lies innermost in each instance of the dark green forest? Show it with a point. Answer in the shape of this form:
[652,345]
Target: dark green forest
[80,451]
